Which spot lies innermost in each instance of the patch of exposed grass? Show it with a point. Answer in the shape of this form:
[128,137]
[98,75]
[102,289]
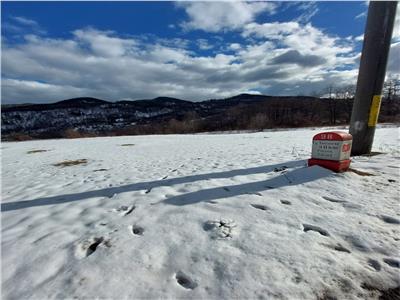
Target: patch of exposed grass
[68,163]
[36,151]
[361,173]
[127,145]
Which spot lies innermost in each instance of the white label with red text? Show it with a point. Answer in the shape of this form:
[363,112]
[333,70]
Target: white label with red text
[331,150]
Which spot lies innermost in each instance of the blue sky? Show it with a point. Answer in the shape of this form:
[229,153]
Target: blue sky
[189,50]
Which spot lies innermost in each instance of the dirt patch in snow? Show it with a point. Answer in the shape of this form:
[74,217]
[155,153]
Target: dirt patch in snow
[36,151]
[361,173]
[68,163]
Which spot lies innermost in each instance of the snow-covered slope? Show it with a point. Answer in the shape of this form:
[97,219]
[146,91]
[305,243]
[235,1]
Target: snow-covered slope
[197,216]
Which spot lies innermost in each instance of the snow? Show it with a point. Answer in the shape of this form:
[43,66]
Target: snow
[197,216]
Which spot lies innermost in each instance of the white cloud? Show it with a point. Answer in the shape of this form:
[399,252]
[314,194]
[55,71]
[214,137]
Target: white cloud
[25,21]
[305,39]
[393,68]
[203,44]
[20,24]
[234,46]
[361,15]
[103,43]
[396,29]
[309,10]
[280,58]
[359,38]
[217,16]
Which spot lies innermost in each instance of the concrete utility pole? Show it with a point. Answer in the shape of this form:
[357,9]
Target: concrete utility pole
[367,102]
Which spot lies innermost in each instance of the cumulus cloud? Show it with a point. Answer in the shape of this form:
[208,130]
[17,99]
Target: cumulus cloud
[284,58]
[203,44]
[295,57]
[217,16]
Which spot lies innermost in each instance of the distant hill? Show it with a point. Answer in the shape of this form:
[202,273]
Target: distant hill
[87,116]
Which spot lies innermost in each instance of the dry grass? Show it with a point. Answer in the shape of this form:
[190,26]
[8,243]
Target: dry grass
[68,163]
[126,145]
[36,151]
[361,173]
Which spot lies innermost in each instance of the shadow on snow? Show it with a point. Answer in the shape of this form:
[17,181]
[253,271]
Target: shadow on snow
[297,176]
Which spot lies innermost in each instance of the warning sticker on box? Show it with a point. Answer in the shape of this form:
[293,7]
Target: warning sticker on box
[331,150]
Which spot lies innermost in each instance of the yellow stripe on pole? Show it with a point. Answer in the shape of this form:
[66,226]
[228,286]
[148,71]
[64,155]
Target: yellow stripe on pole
[374,110]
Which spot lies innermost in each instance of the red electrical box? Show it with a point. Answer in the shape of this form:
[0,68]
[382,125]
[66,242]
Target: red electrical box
[331,150]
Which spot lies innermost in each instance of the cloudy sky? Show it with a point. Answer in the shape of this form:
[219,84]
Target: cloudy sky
[189,50]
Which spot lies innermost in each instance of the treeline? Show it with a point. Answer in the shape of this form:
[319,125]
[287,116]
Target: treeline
[273,113]
[270,114]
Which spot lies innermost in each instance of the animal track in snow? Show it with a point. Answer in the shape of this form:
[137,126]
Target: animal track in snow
[185,281]
[259,206]
[136,230]
[308,227]
[393,262]
[389,219]
[333,199]
[223,228]
[351,205]
[339,247]
[283,168]
[125,210]
[374,264]
[131,209]
[100,170]
[88,247]
[358,243]
[286,202]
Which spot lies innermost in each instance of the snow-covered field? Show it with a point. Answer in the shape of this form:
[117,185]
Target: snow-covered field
[198,216]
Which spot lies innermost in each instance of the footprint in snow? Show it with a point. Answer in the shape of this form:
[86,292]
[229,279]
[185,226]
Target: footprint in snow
[185,281]
[221,229]
[279,169]
[358,243]
[136,230]
[374,264]
[392,262]
[350,205]
[88,247]
[339,248]
[389,219]
[125,210]
[286,202]
[259,206]
[321,231]
[330,199]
